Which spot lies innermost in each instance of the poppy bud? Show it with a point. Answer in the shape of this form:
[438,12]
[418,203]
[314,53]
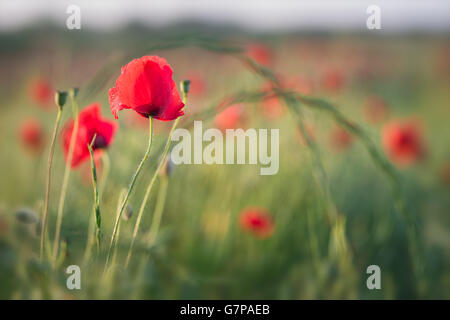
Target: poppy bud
[60,98]
[185,86]
[74,92]
[26,215]
[168,167]
[128,213]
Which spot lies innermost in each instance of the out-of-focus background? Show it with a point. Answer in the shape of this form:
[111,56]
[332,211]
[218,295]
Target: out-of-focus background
[367,182]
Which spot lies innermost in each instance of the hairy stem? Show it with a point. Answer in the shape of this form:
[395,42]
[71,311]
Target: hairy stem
[47,190]
[66,177]
[130,189]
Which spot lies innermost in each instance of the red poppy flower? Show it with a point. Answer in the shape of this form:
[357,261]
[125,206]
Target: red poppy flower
[32,135]
[375,109]
[41,92]
[230,118]
[333,80]
[146,86]
[260,53]
[90,123]
[257,221]
[198,84]
[340,139]
[402,142]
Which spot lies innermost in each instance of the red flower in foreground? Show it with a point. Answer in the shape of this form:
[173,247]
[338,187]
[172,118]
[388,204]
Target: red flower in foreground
[146,86]
[32,135]
[257,221]
[260,53]
[340,139]
[229,118]
[41,92]
[375,109]
[90,123]
[402,142]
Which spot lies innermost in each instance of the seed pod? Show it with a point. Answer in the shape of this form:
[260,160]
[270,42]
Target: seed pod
[128,213]
[27,216]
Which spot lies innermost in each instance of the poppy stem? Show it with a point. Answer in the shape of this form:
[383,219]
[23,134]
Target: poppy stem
[98,217]
[66,177]
[130,189]
[185,89]
[104,177]
[159,208]
[47,190]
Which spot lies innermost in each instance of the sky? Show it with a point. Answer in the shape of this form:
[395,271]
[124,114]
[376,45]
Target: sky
[254,15]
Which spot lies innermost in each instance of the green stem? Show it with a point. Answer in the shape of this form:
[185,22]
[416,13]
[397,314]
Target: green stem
[47,190]
[98,217]
[101,188]
[122,196]
[150,186]
[66,177]
[130,188]
[159,208]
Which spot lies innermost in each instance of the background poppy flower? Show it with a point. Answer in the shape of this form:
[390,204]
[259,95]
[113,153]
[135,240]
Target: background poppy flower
[90,123]
[333,80]
[32,135]
[402,142]
[198,84]
[260,53]
[41,92]
[257,221]
[146,86]
[230,117]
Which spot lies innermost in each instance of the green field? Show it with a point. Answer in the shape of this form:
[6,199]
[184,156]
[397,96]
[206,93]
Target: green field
[336,208]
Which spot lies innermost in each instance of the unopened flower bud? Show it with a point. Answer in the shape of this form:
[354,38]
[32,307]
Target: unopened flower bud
[128,213]
[185,86]
[27,216]
[60,98]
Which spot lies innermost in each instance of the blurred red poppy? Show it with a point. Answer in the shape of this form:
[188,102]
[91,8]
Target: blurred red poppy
[375,109]
[260,53]
[257,221]
[333,80]
[90,123]
[146,86]
[340,139]
[198,84]
[230,117]
[402,142]
[41,92]
[32,135]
